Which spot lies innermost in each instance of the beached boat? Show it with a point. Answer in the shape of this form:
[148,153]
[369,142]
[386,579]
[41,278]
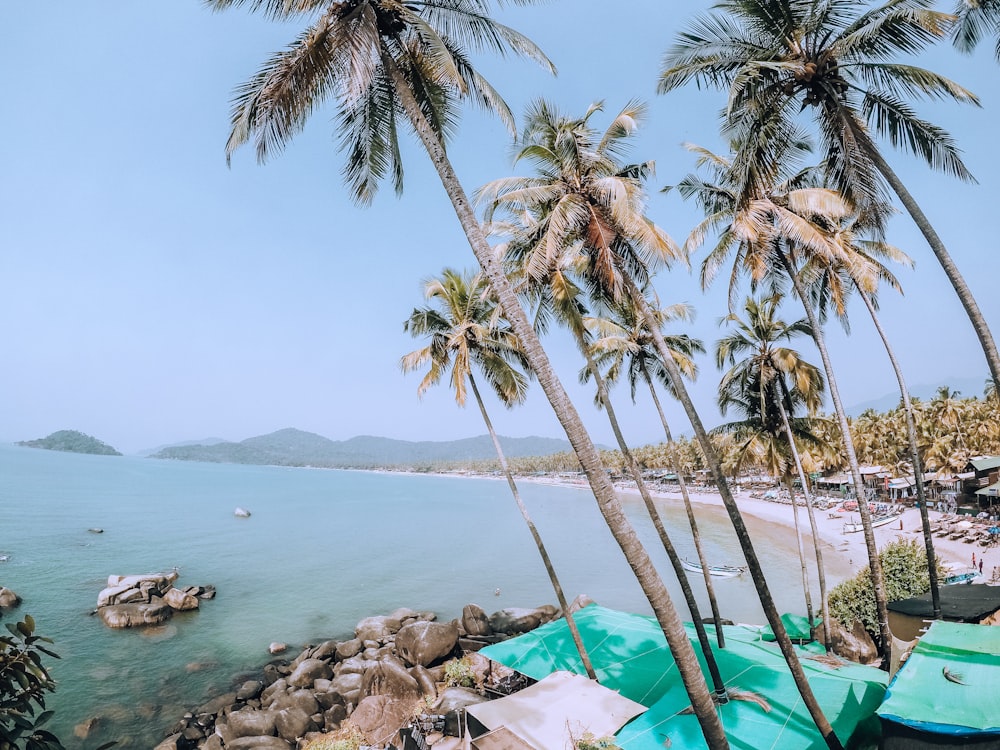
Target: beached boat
[967,577]
[723,571]
[851,526]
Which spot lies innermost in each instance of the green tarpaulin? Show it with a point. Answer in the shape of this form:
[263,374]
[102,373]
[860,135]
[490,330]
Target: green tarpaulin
[923,697]
[630,655]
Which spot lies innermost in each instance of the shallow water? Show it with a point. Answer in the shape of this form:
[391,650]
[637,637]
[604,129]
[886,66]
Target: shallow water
[322,550]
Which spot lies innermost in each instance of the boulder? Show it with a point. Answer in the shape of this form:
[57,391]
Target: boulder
[425,681]
[277,648]
[180,600]
[137,614]
[389,677]
[258,743]
[372,629]
[379,717]
[456,698]
[516,620]
[581,601]
[422,643]
[216,705]
[309,671]
[173,742]
[248,722]
[292,723]
[303,700]
[854,643]
[326,651]
[249,690]
[475,621]
[347,649]
[8,599]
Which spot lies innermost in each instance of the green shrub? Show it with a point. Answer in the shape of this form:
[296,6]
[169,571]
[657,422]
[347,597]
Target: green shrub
[904,568]
[459,673]
[589,742]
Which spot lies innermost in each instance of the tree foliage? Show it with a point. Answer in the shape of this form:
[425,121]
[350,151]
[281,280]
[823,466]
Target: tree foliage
[24,685]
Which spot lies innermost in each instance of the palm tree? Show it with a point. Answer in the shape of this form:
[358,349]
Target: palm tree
[757,384]
[375,59]
[622,345]
[463,332]
[582,200]
[771,230]
[975,19]
[778,58]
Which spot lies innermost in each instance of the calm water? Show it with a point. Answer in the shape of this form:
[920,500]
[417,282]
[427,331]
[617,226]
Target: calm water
[322,550]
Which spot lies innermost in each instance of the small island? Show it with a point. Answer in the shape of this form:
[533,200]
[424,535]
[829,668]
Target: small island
[72,441]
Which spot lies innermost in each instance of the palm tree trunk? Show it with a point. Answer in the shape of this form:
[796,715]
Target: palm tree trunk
[811,512]
[692,521]
[739,526]
[560,596]
[878,580]
[790,486]
[604,492]
[918,469]
[721,696]
[965,296]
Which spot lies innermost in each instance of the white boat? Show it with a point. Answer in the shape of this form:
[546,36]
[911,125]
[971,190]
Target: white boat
[851,526]
[723,571]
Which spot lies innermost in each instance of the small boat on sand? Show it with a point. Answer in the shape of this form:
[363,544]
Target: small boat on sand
[851,526]
[722,571]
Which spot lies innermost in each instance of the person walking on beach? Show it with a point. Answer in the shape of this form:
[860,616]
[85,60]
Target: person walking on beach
[973,559]
[980,566]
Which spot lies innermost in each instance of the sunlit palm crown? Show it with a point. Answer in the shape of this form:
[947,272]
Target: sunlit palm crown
[345,56]
[582,199]
[834,58]
[976,19]
[465,330]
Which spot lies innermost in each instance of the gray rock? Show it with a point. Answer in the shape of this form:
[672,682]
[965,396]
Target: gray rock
[425,681]
[213,743]
[334,715]
[379,717]
[455,698]
[423,643]
[853,644]
[325,651]
[389,677]
[309,671]
[348,685]
[516,620]
[258,743]
[134,615]
[372,629]
[249,690]
[215,705]
[292,723]
[277,648]
[355,664]
[250,723]
[581,601]
[303,700]
[180,600]
[475,621]
[272,691]
[8,599]
[170,743]
[347,649]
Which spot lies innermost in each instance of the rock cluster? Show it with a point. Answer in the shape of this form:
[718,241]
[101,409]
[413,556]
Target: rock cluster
[131,601]
[393,669]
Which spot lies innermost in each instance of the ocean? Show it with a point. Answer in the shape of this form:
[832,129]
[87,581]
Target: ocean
[321,550]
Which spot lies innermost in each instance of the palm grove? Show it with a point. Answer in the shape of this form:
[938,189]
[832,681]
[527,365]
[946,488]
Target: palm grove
[813,95]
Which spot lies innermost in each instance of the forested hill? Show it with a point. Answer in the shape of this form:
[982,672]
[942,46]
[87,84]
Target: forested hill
[72,441]
[291,447]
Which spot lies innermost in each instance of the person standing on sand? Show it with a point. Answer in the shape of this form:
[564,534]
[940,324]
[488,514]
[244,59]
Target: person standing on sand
[980,565]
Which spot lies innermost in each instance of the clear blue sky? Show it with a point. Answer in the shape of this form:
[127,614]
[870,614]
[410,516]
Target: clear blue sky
[149,294]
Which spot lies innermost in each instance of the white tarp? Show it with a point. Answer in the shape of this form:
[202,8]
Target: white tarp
[552,713]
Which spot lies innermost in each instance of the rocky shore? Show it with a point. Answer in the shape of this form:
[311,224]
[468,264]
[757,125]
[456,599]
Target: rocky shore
[396,667]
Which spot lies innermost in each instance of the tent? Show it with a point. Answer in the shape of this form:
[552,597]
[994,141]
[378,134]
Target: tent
[630,656]
[946,693]
[551,714]
[969,603]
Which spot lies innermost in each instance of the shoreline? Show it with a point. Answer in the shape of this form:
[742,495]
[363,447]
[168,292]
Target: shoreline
[849,547]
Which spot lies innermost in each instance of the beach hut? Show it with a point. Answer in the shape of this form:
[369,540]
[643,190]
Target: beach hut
[630,657]
[975,603]
[945,694]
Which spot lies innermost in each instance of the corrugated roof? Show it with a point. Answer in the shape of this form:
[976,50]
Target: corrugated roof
[985,463]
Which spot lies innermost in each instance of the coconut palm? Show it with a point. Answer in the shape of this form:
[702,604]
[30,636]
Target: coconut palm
[582,201]
[834,59]
[464,333]
[623,346]
[765,382]
[976,18]
[771,232]
[377,61]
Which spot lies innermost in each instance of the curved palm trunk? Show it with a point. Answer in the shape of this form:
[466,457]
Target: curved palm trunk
[692,521]
[878,580]
[560,596]
[965,296]
[604,492]
[790,486]
[721,696]
[739,526]
[811,512]
[918,469]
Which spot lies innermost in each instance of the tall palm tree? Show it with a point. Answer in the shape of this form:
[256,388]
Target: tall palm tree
[623,346]
[770,229]
[757,383]
[976,18]
[584,200]
[464,332]
[377,60]
[778,58]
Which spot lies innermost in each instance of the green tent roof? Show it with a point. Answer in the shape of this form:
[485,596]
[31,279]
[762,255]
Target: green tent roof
[921,696]
[630,655]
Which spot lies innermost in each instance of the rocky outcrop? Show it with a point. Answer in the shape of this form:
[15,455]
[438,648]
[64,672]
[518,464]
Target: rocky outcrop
[8,599]
[151,599]
[391,670]
[854,643]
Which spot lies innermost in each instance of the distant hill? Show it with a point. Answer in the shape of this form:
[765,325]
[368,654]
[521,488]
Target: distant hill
[291,447]
[203,441]
[72,441]
[967,387]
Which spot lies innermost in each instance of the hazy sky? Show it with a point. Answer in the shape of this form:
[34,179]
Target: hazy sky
[149,294]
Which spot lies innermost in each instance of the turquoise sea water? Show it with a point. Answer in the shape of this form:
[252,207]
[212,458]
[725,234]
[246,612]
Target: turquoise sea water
[322,550]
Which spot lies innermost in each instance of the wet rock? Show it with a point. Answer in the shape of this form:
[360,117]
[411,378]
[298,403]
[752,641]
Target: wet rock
[475,621]
[249,690]
[8,599]
[292,723]
[133,615]
[216,705]
[516,620]
[277,648]
[423,643]
[180,600]
[347,649]
[309,671]
[389,677]
[249,723]
[372,629]
[258,743]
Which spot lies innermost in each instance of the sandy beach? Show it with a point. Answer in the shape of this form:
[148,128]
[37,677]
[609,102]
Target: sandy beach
[830,524]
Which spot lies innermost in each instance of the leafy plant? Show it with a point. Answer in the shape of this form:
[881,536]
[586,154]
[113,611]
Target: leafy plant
[459,673]
[348,737]
[589,742]
[24,684]
[904,565]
